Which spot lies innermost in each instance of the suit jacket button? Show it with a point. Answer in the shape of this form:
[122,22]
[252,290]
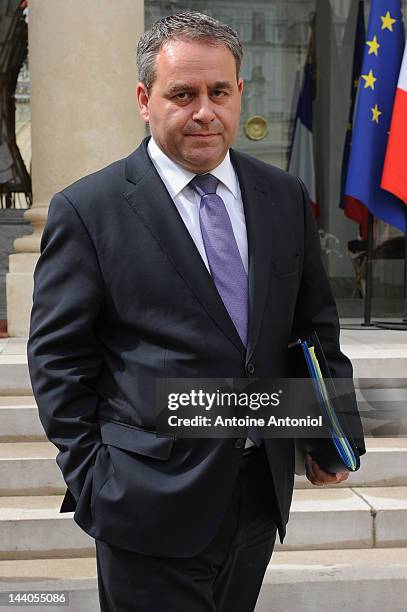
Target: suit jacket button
[250,368]
[240,442]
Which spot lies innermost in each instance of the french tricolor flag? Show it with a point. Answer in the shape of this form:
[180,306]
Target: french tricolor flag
[301,159]
[394,177]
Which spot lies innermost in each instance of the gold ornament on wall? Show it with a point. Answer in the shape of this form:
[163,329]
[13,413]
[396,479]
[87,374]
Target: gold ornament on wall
[256,128]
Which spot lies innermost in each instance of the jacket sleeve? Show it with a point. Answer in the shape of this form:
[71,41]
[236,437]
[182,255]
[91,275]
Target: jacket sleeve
[62,349]
[316,311]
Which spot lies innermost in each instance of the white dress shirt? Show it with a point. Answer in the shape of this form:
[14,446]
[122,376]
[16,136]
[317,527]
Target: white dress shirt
[187,201]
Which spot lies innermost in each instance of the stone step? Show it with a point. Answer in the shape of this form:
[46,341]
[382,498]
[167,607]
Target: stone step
[365,517]
[320,519]
[328,518]
[19,419]
[19,416]
[14,376]
[305,581]
[75,577]
[389,512]
[33,527]
[377,358]
[375,353]
[336,580]
[383,410]
[383,465]
[29,468]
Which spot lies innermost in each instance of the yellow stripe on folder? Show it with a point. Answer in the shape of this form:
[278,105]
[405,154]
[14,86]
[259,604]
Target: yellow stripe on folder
[333,419]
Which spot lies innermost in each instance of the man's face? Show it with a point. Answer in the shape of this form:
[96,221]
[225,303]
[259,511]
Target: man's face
[193,107]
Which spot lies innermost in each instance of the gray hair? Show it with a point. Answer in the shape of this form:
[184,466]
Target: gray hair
[187,26]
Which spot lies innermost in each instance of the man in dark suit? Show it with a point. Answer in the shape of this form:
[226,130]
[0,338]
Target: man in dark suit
[186,259]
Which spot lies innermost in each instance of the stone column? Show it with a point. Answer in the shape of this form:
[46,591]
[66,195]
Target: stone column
[83,112]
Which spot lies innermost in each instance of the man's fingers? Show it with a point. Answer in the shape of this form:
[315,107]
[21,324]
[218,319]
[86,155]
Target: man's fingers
[322,475]
[317,476]
[309,464]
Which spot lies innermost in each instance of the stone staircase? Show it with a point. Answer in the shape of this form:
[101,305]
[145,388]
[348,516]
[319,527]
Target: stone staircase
[346,546]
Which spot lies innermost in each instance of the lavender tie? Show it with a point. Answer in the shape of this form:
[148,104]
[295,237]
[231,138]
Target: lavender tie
[223,255]
[224,259]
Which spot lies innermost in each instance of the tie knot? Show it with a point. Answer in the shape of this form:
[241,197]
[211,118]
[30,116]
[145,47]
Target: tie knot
[204,184]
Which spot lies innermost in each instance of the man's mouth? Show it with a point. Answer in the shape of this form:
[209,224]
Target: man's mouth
[203,135]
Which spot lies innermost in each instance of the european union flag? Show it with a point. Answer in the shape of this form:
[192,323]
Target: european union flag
[354,209]
[377,87]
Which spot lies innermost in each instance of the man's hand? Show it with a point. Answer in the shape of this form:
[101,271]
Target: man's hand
[317,476]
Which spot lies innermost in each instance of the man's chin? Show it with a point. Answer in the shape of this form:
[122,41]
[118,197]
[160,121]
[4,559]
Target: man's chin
[203,160]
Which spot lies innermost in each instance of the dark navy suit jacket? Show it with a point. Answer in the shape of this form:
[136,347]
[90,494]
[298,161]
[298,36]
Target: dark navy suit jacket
[121,297]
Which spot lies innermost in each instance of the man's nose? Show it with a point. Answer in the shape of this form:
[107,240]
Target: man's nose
[203,111]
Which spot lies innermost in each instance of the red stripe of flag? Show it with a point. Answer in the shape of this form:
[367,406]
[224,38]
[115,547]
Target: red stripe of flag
[394,176]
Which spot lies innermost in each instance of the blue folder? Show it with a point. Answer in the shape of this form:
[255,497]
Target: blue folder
[336,451]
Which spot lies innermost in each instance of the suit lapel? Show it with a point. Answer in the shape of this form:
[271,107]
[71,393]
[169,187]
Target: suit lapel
[152,203]
[259,211]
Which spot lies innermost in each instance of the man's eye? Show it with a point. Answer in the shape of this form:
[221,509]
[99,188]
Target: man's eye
[218,93]
[182,95]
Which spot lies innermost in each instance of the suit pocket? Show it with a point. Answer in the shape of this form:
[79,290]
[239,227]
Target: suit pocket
[103,470]
[285,264]
[137,440]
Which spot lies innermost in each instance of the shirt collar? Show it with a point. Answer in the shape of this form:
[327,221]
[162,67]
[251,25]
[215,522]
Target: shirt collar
[176,178]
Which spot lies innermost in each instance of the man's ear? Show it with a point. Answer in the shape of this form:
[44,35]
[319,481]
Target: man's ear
[142,101]
[240,86]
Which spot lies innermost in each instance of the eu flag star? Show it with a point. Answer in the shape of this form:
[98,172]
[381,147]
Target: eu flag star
[376,113]
[373,46]
[387,22]
[370,79]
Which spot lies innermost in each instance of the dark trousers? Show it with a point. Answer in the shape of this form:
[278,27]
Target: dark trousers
[225,577]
